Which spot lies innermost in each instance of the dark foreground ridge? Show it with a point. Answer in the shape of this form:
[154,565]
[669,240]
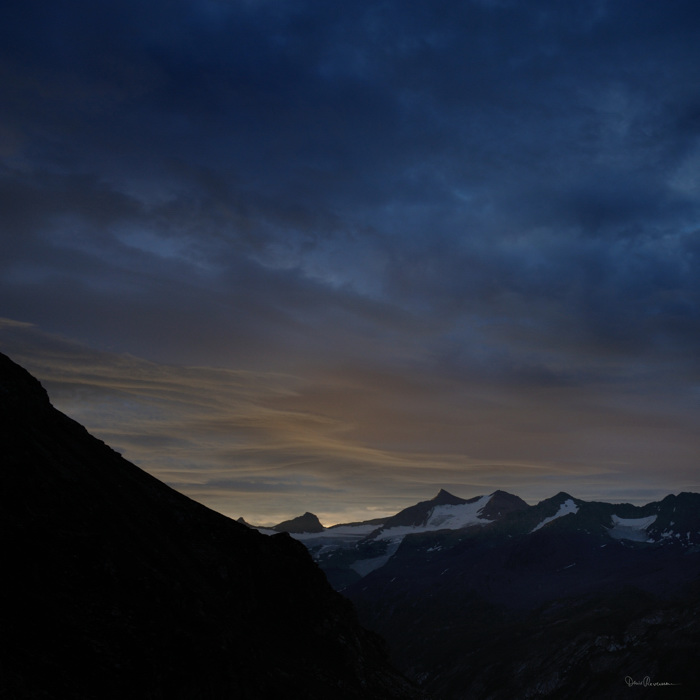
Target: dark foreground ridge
[120,587]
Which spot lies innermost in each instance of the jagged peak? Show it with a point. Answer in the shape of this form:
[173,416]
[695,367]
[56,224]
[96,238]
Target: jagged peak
[501,503]
[559,498]
[499,493]
[444,498]
[302,523]
[682,497]
[564,496]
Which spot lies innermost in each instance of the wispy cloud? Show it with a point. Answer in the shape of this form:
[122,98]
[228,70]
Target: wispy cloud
[389,231]
[269,445]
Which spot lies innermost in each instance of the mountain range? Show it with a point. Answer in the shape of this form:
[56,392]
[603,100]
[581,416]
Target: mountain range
[117,586]
[490,597]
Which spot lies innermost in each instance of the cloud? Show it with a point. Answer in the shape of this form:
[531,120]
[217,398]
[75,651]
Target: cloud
[473,194]
[266,445]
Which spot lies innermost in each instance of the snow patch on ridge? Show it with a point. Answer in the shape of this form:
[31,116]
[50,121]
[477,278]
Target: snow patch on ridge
[336,533]
[633,529]
[366,566]
[564,509]
[458,516]
[447,517]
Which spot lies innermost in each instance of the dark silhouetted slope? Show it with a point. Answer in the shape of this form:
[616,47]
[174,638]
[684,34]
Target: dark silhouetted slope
[120,587]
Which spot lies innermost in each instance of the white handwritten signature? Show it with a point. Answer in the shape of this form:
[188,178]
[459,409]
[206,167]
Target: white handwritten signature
[646,682]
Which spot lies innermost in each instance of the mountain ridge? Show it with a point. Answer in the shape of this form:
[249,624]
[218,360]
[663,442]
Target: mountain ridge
[119,585]
[503,509]
[562,599]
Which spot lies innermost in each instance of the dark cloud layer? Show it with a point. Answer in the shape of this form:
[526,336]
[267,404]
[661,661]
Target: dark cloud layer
[495,196]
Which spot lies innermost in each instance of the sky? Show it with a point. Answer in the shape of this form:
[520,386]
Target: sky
[332,257]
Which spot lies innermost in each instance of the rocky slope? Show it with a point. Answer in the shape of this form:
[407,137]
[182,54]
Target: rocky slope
[121,587]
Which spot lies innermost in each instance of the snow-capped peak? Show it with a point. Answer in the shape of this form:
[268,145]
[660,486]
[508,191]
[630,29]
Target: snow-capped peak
[567,507]
[440,517]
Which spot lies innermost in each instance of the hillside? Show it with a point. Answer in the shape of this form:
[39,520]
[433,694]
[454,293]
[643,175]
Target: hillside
[121,587]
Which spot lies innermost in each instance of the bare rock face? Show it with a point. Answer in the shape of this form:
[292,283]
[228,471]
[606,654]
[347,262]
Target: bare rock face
[122,587]
[502,503]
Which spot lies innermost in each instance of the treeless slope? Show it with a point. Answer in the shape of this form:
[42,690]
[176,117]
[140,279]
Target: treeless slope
[122,587]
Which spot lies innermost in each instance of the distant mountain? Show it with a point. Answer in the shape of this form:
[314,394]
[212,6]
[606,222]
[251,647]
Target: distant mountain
[418,515]
[348,552]
[304,523]
[117,586]
[490,597]
[501,503]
